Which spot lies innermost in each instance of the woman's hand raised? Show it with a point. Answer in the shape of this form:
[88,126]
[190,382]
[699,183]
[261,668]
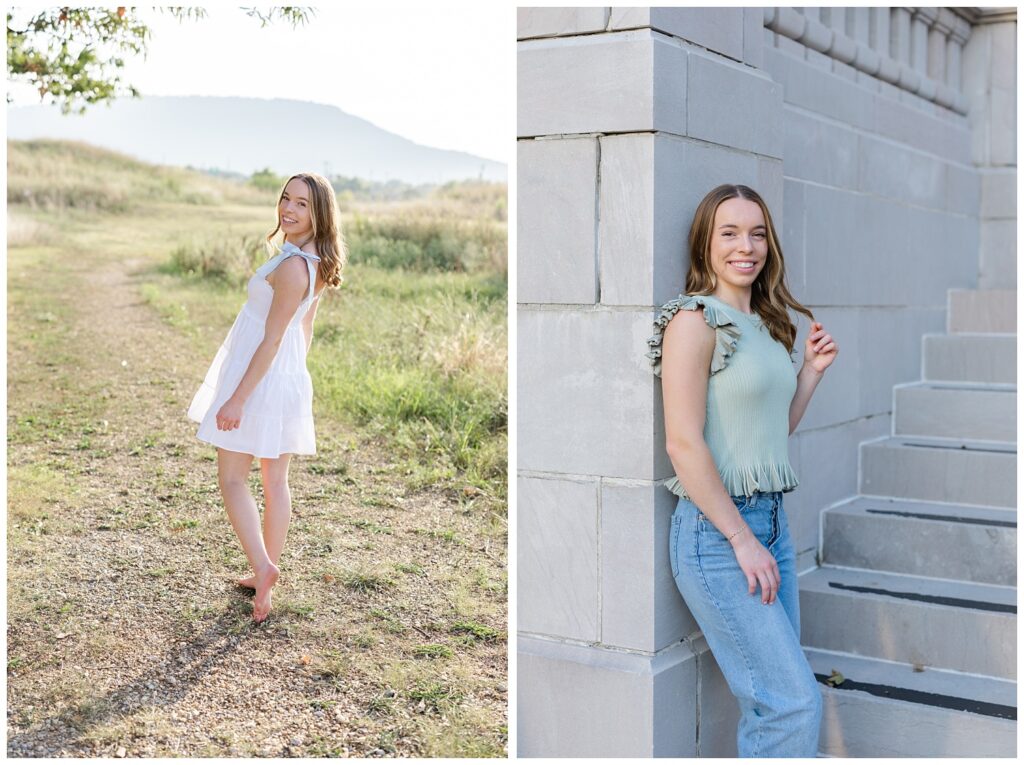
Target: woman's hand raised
[820,349]
[758,564]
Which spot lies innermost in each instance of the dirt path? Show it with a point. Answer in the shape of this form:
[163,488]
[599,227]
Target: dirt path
[127,636]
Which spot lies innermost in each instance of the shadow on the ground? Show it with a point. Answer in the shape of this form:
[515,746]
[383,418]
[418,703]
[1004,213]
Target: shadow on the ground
[158,684]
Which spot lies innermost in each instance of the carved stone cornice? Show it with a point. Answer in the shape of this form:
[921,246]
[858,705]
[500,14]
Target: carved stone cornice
[811,33]
[988,15]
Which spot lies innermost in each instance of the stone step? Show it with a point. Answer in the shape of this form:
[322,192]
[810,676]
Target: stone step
[935,623]
[982,358]
[956,410]
[982,310]
[947,541]
[940,469]
[886,709]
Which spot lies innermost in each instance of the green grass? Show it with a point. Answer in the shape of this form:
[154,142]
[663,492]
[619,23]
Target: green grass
[411,354]
[363,581]
[478,632]
[58,175]
[228,259]
[426,241]
[432,651]
[403,567]
[420,359]
[414,360]
[445,535]
[389,622]
[435,694]
[33,489]
[410,568]
[372,527]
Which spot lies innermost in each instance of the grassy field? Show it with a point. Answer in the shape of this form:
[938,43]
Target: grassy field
[126,633]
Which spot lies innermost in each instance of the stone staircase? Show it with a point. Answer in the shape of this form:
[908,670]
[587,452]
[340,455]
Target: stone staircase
[915,601]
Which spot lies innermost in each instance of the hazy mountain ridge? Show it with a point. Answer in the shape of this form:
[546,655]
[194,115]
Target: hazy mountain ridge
[248,134]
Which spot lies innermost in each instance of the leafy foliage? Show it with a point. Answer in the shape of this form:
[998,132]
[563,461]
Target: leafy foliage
[266,180]
[75,55]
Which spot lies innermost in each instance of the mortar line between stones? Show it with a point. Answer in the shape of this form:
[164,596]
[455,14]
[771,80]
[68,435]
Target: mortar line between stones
[600,583]
[803,232]
[561,640]
[597,223]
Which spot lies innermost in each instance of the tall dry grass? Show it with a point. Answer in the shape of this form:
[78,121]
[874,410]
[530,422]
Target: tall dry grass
[54,175]
[411,353]
[412,349]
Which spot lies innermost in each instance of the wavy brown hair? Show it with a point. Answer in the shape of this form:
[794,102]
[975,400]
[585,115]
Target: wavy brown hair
[326,219]
[770,297]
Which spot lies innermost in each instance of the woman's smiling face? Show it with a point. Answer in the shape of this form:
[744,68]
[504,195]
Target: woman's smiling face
[293,211]
[739,237]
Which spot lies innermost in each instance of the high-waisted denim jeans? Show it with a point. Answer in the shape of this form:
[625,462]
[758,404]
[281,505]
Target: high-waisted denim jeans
[757,646]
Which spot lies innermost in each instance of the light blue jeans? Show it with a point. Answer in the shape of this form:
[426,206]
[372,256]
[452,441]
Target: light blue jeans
[757,646]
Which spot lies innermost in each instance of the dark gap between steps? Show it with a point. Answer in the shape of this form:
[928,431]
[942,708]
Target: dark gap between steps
[980,605]
[961,448]
[951,518]
[923,697]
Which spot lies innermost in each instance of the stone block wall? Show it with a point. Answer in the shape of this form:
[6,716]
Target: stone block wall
[626,118]
[620,118]
[880,217]
[990,81]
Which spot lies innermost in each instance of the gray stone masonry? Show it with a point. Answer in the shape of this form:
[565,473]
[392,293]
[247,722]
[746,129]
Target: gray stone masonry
[859,724]
[990,82]
[915,601]
[882,141]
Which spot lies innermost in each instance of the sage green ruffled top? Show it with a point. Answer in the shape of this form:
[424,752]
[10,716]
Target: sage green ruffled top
[750,387]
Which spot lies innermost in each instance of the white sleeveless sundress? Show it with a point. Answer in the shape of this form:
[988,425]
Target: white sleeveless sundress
[278,417]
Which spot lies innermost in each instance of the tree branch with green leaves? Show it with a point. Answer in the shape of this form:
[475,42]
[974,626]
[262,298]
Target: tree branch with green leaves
[75,56]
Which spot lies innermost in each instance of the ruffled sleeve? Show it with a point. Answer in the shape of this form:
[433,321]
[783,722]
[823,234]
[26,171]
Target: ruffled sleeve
[727,332]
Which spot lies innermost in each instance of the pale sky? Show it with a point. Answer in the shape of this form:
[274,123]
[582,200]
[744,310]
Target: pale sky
[439,76]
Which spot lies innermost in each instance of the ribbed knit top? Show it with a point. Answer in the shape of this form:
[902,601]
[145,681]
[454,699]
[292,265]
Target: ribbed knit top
[750,387]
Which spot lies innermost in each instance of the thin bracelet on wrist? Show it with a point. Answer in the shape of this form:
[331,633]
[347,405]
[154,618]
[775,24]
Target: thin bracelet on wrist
[729,538]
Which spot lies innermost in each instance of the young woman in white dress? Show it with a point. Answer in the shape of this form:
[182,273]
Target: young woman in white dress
[257,398]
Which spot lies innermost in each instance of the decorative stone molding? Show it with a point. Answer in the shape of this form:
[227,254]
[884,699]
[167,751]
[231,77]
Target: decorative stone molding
[976,16]
[914,49]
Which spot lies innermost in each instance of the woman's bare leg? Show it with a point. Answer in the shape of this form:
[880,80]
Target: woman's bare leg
[233,473]
[278,510]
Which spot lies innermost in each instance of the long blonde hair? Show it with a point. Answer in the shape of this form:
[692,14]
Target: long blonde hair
[770,298]
[326,219]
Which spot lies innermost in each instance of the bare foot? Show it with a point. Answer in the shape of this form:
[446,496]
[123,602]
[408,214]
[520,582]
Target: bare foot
[248,581]
[266,578]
